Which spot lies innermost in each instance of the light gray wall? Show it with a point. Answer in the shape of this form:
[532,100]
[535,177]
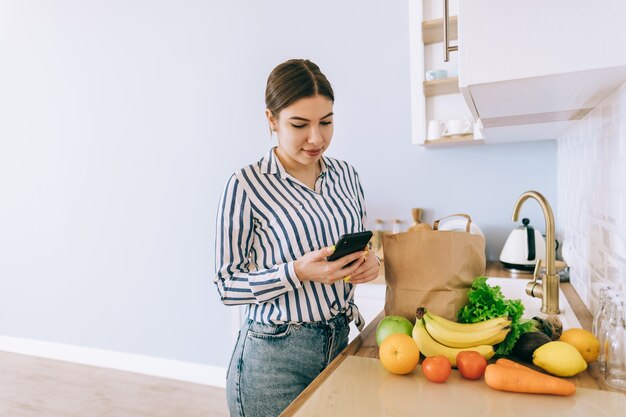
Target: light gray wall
[121,121]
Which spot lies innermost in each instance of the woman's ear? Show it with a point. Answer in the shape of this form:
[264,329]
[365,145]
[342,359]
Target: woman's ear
[271,120]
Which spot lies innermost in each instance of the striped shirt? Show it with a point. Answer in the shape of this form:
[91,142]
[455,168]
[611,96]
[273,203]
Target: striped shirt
[266,220]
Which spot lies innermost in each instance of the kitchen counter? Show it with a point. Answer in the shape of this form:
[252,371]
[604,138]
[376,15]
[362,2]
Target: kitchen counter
[364,345]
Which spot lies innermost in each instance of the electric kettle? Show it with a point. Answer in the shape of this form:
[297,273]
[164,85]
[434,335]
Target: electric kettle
[523,248]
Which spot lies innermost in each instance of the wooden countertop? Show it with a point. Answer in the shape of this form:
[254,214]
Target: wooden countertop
[365,344]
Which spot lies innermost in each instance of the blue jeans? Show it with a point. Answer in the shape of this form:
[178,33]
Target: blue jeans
[271,365]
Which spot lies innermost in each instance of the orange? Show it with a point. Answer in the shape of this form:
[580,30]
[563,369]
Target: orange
[584,341]
[399,353]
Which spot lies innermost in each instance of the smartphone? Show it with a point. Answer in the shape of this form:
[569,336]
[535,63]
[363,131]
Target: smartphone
[350,243]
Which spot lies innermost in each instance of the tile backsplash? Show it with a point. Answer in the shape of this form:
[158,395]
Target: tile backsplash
[591,187]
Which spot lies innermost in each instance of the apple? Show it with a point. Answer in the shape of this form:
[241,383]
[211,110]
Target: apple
[392,325]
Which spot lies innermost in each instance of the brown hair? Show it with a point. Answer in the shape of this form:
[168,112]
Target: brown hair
[292,80]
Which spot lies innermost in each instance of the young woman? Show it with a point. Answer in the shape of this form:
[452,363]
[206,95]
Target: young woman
[277,222]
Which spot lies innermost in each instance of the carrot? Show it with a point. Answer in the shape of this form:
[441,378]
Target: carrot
[506,377]
[511,364]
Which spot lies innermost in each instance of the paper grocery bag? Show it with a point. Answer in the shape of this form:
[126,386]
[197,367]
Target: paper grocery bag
[432,269]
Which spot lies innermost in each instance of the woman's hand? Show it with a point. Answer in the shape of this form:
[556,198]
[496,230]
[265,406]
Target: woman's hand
[314,267]
[367,270]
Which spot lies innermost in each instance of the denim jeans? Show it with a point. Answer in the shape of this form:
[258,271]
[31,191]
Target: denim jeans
[272,364]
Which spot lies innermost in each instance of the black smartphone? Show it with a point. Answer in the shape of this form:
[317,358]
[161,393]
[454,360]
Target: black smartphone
[350,243]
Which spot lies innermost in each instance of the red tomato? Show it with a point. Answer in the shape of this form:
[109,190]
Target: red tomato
[437,368]
[471,364]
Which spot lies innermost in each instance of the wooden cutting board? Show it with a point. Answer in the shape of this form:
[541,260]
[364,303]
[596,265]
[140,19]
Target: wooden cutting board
[362,387]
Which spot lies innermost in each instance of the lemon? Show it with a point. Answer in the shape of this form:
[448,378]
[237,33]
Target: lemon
[559,358]
[584,341]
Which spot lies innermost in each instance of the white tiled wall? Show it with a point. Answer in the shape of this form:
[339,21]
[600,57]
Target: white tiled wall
[591,186]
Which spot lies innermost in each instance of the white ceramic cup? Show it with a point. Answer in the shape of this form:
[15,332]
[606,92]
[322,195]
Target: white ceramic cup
[435,129]
[457,127]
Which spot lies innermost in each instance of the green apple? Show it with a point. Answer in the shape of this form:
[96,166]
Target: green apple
[392,325]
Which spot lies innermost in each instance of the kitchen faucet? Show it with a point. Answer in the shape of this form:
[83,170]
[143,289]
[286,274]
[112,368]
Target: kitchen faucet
[549,289]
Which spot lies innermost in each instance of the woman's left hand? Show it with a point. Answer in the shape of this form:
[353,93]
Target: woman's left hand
[367,271]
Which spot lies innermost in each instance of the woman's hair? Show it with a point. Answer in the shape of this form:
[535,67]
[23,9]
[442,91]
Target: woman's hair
[292,80]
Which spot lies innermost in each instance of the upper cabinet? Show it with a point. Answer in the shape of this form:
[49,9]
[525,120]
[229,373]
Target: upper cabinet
[530,69]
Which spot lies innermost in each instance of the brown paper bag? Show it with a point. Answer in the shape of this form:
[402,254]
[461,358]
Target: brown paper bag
[432,269]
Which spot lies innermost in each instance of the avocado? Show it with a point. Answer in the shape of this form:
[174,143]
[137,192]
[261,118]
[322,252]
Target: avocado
[528,343]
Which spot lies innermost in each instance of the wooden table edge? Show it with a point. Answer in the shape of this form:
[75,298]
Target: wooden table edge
[350,350]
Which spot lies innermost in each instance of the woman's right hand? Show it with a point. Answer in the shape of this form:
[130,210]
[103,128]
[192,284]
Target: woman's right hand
[314,267]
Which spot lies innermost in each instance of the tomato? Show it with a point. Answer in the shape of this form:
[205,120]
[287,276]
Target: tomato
[471,364]
[437,368]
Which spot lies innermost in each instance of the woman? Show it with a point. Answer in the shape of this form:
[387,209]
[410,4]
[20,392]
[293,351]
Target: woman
[277,221]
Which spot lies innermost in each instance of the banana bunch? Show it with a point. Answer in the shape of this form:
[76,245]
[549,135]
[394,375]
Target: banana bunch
[459,335]
[436,335]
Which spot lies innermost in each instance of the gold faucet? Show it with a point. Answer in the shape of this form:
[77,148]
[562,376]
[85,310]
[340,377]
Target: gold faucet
[549,289]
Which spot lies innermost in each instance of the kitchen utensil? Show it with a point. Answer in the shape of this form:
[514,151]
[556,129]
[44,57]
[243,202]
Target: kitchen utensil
[397,226]
[436,74]
[447,135]
[523,248]
[457,127]
[613,298]
[417,219]
[602,311]
[616,349]
[435,127]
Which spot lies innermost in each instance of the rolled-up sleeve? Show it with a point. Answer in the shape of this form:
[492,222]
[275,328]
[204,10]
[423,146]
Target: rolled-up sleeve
[235,282]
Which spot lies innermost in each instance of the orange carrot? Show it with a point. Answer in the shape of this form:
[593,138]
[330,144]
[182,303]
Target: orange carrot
[511,364]
[506,377]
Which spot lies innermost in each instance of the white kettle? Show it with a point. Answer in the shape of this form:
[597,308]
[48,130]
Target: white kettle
[522,248]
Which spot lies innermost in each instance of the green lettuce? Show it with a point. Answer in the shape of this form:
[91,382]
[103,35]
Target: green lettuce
[487,302]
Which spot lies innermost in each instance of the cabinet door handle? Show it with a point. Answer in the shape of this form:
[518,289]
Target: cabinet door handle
[446,42]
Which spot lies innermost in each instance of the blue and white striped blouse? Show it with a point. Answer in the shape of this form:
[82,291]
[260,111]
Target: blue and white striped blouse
[266,220]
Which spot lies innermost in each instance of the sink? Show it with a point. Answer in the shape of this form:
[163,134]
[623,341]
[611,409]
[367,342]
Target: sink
[514,288]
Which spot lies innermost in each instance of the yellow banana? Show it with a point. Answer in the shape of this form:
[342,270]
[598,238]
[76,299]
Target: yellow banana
[468,327]
[430,347]
[457,339]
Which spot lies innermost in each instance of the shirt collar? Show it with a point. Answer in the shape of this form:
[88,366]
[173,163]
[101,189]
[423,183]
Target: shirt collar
[270,165]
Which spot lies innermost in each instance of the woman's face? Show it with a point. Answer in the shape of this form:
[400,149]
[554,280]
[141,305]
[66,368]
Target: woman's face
[304,129]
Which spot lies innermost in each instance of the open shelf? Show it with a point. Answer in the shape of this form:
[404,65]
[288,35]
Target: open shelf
[432,30]
[465,140]
[441,86]
[438,99]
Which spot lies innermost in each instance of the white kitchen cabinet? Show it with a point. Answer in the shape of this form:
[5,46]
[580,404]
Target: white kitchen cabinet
[370,299]
[530,69]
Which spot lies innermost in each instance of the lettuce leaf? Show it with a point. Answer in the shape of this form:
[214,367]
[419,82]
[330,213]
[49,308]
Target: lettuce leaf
[487,302]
